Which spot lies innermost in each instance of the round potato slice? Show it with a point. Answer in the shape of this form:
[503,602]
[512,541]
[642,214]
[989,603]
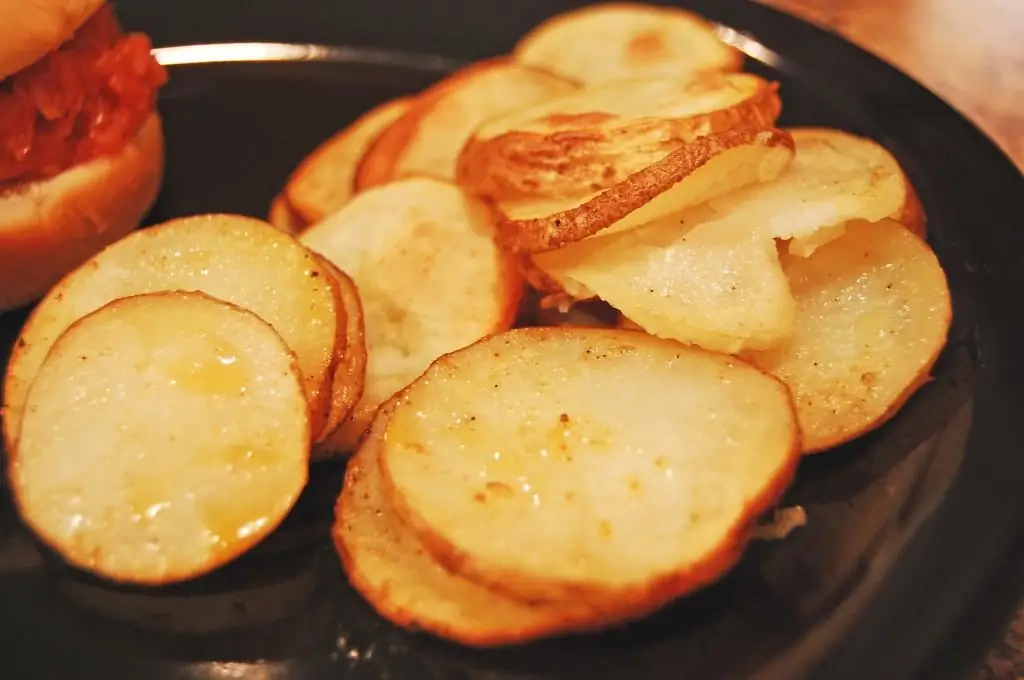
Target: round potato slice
[323,181]
[427,138]
[596,138]
[708,167]
[350,366]
[517,466]
[388,565]
[233,258]
[873,314]
[430,279]
[713,285]
[836,177]
[164,435]
[619,40]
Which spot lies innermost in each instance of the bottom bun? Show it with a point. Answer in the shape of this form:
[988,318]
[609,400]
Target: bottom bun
[49,227]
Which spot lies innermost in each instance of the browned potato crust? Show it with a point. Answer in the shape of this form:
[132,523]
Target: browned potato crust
[594,139]
[575,222]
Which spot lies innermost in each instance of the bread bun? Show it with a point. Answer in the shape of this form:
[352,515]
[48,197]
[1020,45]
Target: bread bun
[29,30]
[49,227]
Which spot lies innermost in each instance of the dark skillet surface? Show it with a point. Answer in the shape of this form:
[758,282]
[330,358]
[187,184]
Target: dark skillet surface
[913,552]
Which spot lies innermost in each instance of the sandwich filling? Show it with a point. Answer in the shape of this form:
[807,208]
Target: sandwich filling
[84,100]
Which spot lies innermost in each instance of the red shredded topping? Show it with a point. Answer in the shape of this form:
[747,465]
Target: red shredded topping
[82,101]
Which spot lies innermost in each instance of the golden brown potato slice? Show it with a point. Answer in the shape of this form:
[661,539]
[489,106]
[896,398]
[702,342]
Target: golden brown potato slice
[620,40]
[430,279]
[715,284]
[282,216]
[427,138]
[710,166]
[710,275]
[873,313]
[237,259]
[388,565]
[349,367]
[164,435]
[324,181]
[596,138]
[837,177]
[516,464]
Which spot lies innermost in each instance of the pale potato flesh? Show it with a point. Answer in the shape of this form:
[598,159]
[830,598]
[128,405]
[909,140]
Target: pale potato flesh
[873,313]
[430,278]
[834,178]
[519,464]
[237,259]
[389,566]
[164,435]
[615,41]
[712,285]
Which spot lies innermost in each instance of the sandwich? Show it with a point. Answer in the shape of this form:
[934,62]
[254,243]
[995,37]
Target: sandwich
[81,142]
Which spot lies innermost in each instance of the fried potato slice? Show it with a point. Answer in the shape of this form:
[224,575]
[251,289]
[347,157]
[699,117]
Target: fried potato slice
[596,138]
[238,259]
[350,365]
[282,216]
[713,285]
[710,275]
[710,166]
[620,40]
[164,435]
[873,314]
[516,465]
[388,565]
[324,181]
[430,279]
[836,177]
[427,138]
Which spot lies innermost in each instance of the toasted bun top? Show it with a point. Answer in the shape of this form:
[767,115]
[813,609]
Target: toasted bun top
[29,29]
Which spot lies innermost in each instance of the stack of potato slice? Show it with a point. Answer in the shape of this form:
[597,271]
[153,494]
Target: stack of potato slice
[430,277]
[491,502]
[162,400]
[607,473]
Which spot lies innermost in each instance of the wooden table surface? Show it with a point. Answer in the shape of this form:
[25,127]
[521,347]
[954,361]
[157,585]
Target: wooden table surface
[970,52]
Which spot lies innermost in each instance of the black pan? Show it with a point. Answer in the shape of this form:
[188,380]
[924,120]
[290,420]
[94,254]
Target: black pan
[913,554]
